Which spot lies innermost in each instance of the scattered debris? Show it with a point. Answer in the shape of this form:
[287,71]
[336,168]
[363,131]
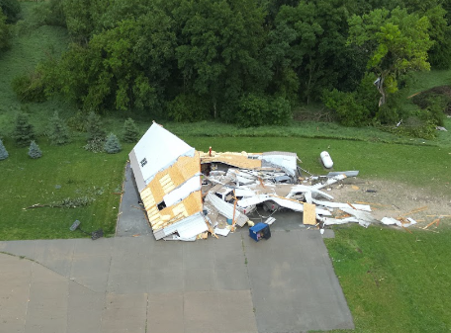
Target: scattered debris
[441,128]
[189,194]
[94,235]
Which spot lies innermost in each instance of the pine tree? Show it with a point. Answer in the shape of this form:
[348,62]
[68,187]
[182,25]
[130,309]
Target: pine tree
[131,132]
[23,133]
[3,152]
[96,134]
[34,151]
[58,131]
[94,127]
[112,145]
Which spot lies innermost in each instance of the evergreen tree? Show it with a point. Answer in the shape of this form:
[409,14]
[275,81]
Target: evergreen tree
[23,133]
[58,131]
[112,145]
[34,151]
[96,134]
[131,132]
[3,152]
[94,127]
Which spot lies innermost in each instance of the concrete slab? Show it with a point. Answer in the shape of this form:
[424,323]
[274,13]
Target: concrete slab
[219,311]
[130,266]
[125,313]
[85,308]
[294,287]
[132,219]
[15,279]
[47,305]
[165,313]
[91,263]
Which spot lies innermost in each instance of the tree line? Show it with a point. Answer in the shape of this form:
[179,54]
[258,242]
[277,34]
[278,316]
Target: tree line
[241,61]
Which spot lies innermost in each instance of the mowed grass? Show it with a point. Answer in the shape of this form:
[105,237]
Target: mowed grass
[62,172]
[394,281]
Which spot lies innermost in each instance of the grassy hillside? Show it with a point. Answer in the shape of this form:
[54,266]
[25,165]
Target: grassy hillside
[29,47]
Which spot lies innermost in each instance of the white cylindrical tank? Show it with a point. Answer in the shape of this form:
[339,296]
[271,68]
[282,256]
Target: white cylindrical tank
[326,160]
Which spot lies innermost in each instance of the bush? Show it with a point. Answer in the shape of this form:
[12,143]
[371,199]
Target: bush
[79,121]
[34,151]
[95,145]
[112,145]
[58,132]
[23,133]
[3,152]
[11,9]
[349,110]
[279,112]
[29,88]
[131,132]
[188,107]
[252,110]
[5,33]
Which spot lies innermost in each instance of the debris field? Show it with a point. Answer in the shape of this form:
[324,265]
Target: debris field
[189,194]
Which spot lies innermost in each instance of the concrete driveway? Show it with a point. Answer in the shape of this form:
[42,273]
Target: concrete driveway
[136,284]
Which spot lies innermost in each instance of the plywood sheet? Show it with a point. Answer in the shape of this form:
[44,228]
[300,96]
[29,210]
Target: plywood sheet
[309,216]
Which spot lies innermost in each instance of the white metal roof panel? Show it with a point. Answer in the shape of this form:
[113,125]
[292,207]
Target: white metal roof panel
[157,150]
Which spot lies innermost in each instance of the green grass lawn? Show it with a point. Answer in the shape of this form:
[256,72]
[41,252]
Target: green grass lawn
[62,172]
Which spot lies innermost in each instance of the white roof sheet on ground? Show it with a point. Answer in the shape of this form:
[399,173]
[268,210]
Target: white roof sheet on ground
[188,227]
[157,150]
[226,209]
[191,185]
[284,159]
[287,203]
[366,208]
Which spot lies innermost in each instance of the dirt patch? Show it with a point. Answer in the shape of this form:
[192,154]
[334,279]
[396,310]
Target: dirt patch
[394,199]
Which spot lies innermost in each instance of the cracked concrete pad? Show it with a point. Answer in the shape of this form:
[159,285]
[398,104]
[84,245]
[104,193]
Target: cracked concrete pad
[15,278]
[294,287]
[124,313]
[219,311]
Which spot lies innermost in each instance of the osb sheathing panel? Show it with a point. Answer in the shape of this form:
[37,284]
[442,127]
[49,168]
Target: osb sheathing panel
[169,215]
[172,177]
[239,160]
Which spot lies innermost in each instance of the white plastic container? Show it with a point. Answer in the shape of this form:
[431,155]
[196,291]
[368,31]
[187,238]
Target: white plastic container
[326,160]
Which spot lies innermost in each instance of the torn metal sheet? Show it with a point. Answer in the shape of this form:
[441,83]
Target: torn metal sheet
[283,202]
[346,173]
[222,232]
[315,192]
[331,221]
[340,205]
[364,218]
[180,193]
[188,227]
[227,209]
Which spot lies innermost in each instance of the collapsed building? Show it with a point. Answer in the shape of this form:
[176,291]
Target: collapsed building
[188,194]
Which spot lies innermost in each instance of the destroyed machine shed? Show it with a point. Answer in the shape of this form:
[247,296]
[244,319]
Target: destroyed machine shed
[188,194]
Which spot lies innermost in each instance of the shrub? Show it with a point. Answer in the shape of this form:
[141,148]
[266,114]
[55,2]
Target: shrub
[95,145]
[79,121]
[112,145]
[131,132]
[11,9]
[58,132]
[34,151]
[188,107]
[252,109]
[3,152]
[349,110]
[279,112]
[23,132]
[29,88]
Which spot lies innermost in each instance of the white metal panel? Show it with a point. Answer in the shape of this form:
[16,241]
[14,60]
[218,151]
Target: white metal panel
[191,185]
[157,150]
[188,227]
[226,209]
[285,160]
[366,208]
